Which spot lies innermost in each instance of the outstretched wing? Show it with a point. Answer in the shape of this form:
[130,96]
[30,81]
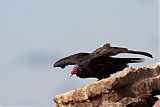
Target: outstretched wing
[70,60]
[107,51]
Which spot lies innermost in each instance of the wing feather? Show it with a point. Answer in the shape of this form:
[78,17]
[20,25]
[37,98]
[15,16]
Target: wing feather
[107,51]
[70,60]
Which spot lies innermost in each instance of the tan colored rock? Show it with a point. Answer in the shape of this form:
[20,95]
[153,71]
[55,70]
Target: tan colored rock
[157,104]
[130,87]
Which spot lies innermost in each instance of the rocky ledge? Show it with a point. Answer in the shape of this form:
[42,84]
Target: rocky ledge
[132,87]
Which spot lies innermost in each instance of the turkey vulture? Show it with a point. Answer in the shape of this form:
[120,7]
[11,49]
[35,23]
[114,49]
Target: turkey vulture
[100,63]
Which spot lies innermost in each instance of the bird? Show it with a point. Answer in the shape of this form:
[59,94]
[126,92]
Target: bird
[101,63]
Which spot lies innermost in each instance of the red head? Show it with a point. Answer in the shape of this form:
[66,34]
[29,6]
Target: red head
[74,71]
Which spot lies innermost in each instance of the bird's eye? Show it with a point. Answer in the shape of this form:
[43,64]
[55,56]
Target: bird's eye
[74,67]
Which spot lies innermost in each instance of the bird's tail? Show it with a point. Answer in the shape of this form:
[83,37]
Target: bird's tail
[139,52]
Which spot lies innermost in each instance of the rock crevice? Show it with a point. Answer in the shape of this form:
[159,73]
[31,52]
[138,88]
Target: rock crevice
[131,87]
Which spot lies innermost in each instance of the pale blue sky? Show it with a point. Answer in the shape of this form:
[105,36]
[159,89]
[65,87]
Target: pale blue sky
[36,33]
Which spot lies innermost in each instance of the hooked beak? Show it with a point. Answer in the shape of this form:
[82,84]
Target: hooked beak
[71,75]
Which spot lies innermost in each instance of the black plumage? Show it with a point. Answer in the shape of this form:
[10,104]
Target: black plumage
[100,63]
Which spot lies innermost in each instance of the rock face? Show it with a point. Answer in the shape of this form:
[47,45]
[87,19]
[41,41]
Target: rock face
[130,87]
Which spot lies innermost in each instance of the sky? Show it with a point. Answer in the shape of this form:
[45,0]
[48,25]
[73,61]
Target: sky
[36,33]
